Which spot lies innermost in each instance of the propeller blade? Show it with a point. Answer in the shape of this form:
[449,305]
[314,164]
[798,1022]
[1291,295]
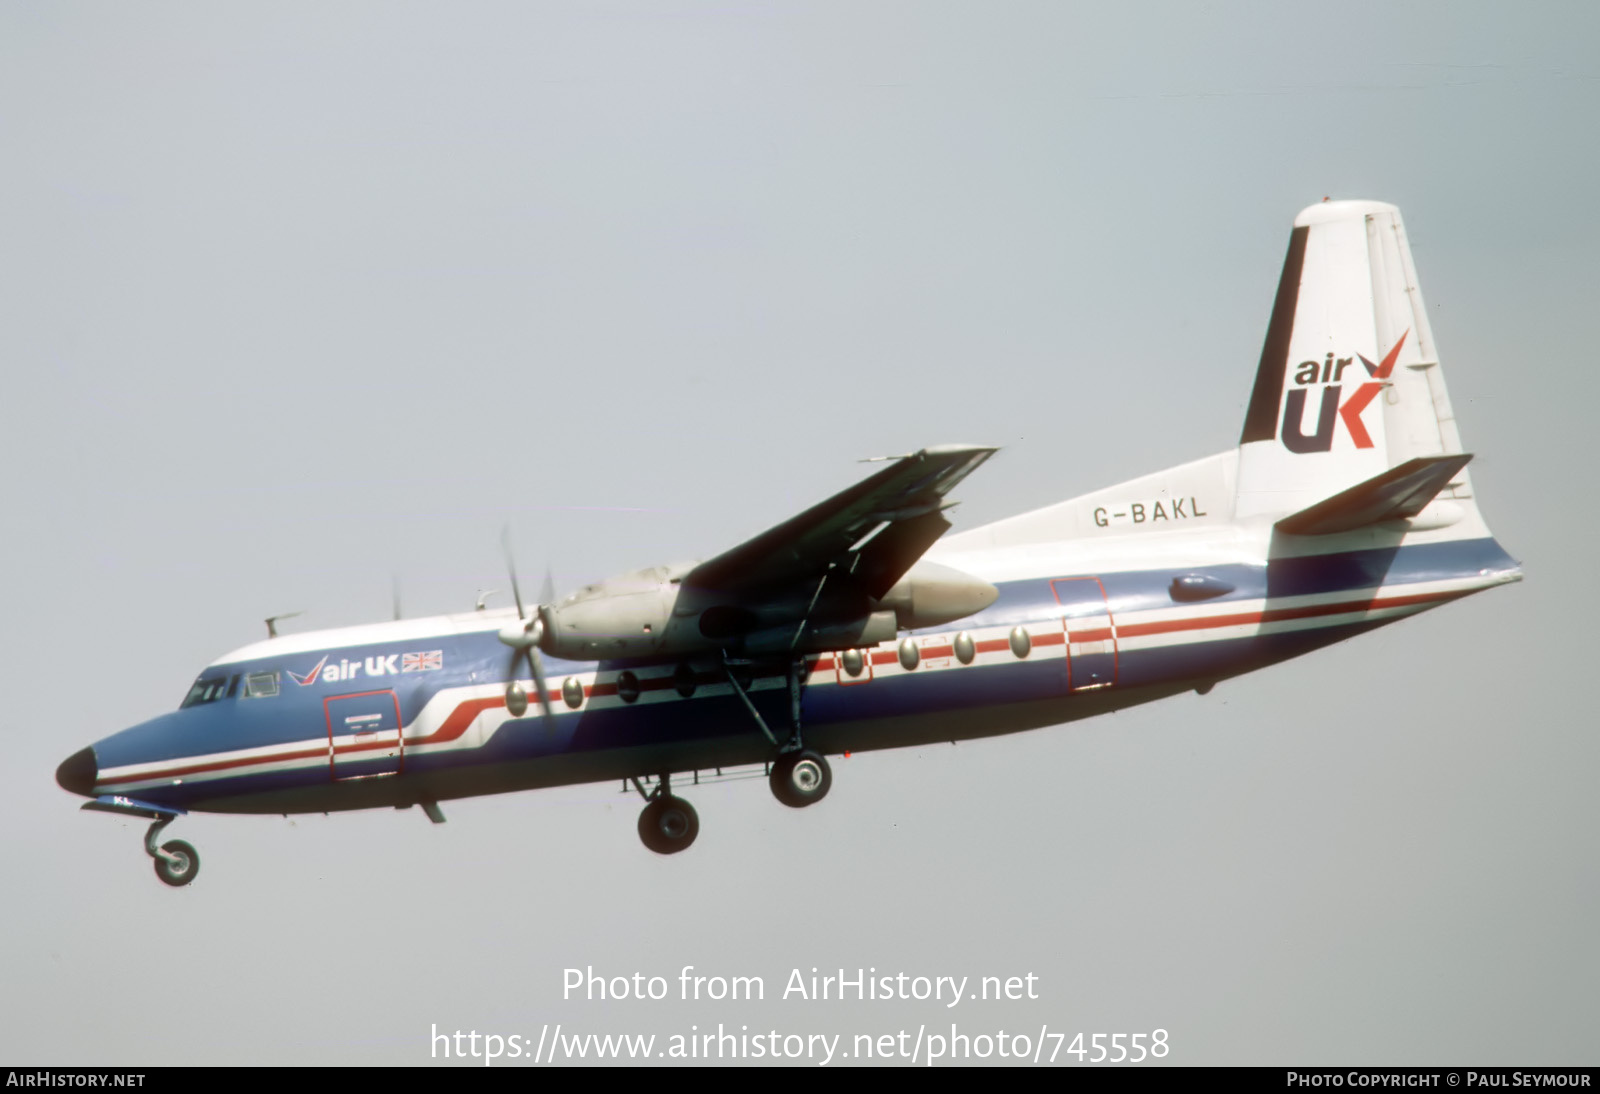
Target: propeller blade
[536,662]
[526,644]
[511,568]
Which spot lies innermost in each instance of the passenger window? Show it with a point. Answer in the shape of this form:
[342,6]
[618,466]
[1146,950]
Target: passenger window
[261,685]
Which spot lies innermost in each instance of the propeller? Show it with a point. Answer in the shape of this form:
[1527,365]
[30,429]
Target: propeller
[524,637]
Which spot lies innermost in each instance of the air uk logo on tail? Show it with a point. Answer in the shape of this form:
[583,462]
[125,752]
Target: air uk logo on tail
[1328,374]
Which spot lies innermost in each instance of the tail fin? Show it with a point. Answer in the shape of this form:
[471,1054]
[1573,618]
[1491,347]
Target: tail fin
[1349,384]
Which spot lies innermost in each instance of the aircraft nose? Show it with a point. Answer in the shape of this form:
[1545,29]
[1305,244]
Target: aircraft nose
[78,772]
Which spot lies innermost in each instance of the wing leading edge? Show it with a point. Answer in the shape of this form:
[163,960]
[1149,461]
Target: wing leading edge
[875,530]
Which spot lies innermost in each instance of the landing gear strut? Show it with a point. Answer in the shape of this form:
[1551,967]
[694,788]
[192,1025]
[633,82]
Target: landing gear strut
[667,824]
[800,776]
[176,861]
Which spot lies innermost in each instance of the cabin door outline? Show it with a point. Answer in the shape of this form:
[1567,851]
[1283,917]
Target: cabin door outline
[1089,632]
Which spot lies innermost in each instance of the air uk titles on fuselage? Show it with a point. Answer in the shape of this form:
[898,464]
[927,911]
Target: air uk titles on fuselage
[393,664]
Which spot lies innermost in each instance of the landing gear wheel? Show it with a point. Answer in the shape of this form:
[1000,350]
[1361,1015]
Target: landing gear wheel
[801,778]
[182,867]
[668,825]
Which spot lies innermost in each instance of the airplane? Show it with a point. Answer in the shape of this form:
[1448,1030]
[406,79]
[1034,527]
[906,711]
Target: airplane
[859,625]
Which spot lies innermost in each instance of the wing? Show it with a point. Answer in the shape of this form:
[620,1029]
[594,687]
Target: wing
[875,530]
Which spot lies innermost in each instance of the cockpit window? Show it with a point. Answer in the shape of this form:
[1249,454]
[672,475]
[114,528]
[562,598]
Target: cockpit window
[261,685]
[207,689]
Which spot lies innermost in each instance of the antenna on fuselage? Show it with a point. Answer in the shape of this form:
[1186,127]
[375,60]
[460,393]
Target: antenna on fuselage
[394,593]
[272,622]
[483,599]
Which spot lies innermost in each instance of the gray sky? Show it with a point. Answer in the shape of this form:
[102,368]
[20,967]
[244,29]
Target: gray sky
[294,297]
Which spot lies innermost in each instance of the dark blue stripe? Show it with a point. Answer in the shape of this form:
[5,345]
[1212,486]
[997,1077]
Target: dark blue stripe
[297,714]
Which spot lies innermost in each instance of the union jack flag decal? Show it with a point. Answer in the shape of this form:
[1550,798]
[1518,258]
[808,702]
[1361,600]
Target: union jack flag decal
[422,662]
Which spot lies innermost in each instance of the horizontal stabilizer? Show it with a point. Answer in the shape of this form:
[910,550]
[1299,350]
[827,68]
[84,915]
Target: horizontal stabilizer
[1398,493]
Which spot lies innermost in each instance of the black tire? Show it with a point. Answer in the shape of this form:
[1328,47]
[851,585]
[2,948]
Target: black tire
[668,825]
[183,871]
[800,779]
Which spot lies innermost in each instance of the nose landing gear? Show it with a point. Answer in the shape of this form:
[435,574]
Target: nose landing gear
[176,861]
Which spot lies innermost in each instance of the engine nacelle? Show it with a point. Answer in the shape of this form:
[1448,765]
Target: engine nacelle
[647,614]
[930,594]
[621,617]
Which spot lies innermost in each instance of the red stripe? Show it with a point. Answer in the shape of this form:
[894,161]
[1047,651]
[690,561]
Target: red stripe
[456,724]
[220,765]
[451,729]
[1278,615]
[460,718]
[366,746]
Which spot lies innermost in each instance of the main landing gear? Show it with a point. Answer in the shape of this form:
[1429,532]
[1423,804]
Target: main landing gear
[799,776]
[668,824]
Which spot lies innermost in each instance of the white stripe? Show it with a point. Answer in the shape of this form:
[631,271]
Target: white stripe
[442,704]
